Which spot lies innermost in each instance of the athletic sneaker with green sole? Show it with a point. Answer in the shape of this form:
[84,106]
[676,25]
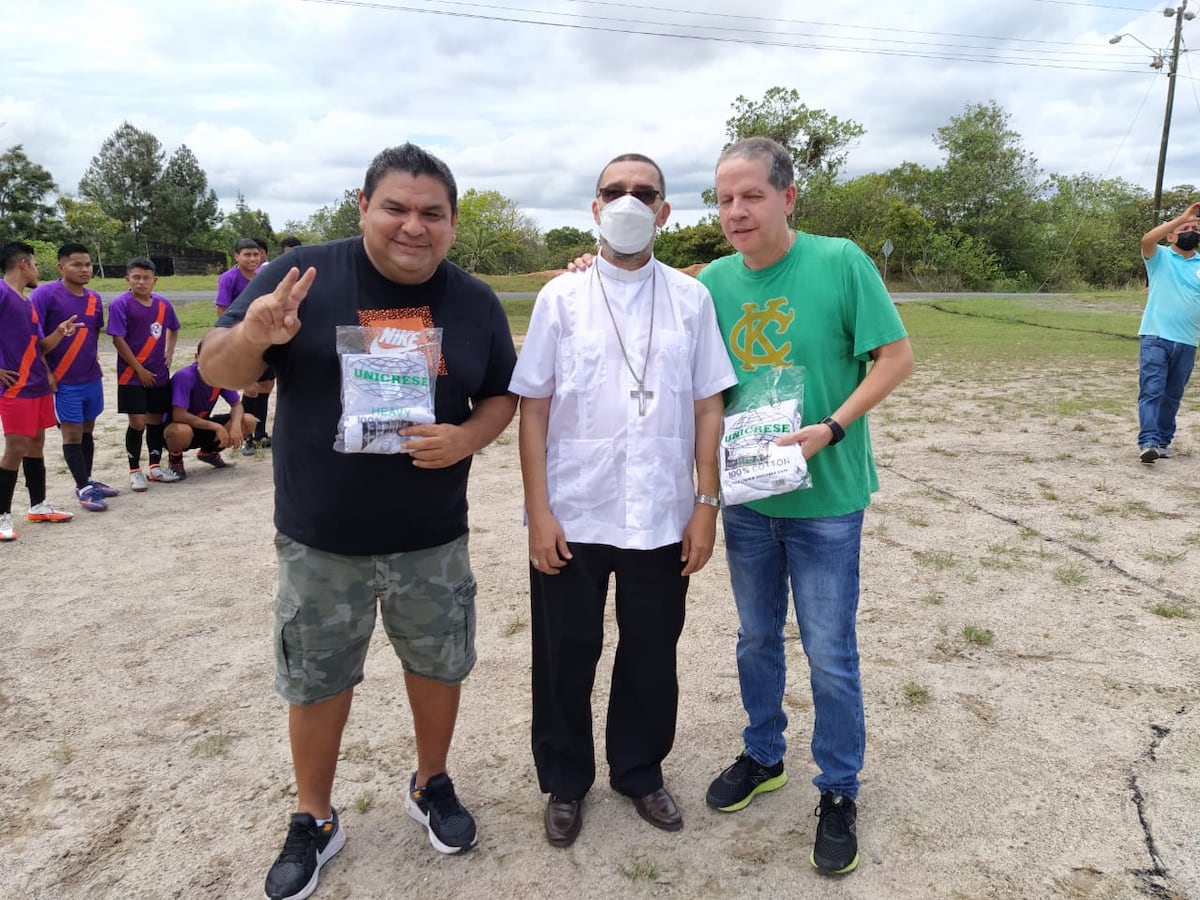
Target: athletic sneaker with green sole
[734,788]
[835,851]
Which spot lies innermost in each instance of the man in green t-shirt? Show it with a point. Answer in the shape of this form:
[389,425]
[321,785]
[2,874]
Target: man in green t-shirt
[789,298]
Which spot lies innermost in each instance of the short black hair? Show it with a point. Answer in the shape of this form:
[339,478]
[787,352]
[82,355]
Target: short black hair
[415,161]
[246,244]
[290,241]
[634,157]
[71,249]
[262,245]
[13,252]
[142,262]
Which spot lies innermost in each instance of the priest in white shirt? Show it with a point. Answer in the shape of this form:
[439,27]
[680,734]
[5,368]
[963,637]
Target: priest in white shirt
[620,379]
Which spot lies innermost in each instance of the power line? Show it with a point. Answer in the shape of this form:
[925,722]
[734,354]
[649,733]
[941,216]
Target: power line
[773,21]
[975,54]
[1140,9]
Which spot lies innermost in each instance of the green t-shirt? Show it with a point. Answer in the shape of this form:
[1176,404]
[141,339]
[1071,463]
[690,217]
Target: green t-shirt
[822,306]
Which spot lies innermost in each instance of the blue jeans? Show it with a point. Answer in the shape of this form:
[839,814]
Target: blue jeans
[1164,368]
[820,558]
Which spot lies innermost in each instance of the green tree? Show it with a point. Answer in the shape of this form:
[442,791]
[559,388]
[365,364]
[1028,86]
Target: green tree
[122,177]
[988,188]
[494,236]
[337,220]
[245,222]
[565,244]
[183,207]
[1095,224]
[818,141]
[87,223]
[24,187]
[688,245]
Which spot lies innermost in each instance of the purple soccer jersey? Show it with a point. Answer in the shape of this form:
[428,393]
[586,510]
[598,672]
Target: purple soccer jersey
[191,392]
[145,330]
[20,351]
[76,359]
[231,283]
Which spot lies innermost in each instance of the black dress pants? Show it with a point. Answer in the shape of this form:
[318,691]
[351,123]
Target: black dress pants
[568,636]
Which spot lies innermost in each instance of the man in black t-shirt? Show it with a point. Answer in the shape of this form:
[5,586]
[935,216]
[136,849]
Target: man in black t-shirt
[347,537]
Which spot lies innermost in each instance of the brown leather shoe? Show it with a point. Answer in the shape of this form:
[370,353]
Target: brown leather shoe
[563,820]
[659,809]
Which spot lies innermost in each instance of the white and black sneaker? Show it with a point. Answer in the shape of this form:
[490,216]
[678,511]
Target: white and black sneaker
[451,828]
[835,851]
[307,848]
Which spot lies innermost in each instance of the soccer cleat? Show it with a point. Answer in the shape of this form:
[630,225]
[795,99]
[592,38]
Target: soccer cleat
[164,474]
[7,531]
[216,460]
[103,489]
[835,851]
[734,788]
[451,828]
[90,499]
[137,481]
[307,848]
[44,512]
[1149,454]
[248,448]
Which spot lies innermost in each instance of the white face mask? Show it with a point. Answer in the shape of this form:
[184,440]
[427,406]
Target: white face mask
[627,224]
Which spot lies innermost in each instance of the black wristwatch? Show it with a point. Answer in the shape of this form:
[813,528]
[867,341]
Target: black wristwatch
[838,431]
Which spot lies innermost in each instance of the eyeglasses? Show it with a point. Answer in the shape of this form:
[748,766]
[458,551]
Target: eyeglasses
[646,195]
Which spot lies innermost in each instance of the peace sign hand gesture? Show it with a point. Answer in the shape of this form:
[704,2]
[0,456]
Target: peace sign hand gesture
[272,318]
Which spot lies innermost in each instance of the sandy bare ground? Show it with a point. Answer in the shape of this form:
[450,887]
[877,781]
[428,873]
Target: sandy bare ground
[145,754]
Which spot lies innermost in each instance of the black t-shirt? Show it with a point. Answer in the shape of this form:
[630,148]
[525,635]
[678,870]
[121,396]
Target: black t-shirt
[357,504]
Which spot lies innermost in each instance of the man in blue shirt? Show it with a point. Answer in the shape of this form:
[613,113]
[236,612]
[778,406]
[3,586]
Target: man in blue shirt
[1170,329]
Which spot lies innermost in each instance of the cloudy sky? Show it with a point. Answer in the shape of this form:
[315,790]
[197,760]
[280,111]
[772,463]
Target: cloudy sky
[288,100]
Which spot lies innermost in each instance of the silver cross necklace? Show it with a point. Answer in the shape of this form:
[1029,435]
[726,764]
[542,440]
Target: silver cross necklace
[641,395]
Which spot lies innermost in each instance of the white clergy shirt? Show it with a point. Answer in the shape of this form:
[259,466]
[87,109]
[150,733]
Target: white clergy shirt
[614,476]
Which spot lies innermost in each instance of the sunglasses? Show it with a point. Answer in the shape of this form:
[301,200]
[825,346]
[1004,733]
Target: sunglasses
[644,195]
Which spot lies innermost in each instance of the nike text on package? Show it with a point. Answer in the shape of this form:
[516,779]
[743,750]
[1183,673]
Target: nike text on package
[388,380]
[763,409]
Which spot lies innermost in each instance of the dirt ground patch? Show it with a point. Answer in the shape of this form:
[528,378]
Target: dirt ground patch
[145,753]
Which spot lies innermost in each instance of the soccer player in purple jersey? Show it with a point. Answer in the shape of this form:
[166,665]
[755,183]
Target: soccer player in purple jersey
[193,425]
[75,366]
[144,327]
[26,404]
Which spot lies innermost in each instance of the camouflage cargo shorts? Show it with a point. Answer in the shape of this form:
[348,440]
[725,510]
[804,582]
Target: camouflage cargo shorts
[325,614]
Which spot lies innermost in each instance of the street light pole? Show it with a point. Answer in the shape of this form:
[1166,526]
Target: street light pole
[1166,132]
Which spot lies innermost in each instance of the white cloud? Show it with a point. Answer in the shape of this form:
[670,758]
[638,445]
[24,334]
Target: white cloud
[288,100]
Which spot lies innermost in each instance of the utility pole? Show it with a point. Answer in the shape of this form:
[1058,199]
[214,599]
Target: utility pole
[1166,132]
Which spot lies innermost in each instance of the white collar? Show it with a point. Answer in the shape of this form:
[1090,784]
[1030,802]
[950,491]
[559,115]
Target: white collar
[615,273]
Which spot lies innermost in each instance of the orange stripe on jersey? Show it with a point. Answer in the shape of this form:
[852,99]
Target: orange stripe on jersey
[148,347]
[81,333]
[212,399]
[27,361]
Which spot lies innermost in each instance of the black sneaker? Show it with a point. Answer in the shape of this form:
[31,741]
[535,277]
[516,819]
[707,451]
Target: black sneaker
[216,460]
[1149,454]
[307,848]
[451,828]
[734,788]
[835,851]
